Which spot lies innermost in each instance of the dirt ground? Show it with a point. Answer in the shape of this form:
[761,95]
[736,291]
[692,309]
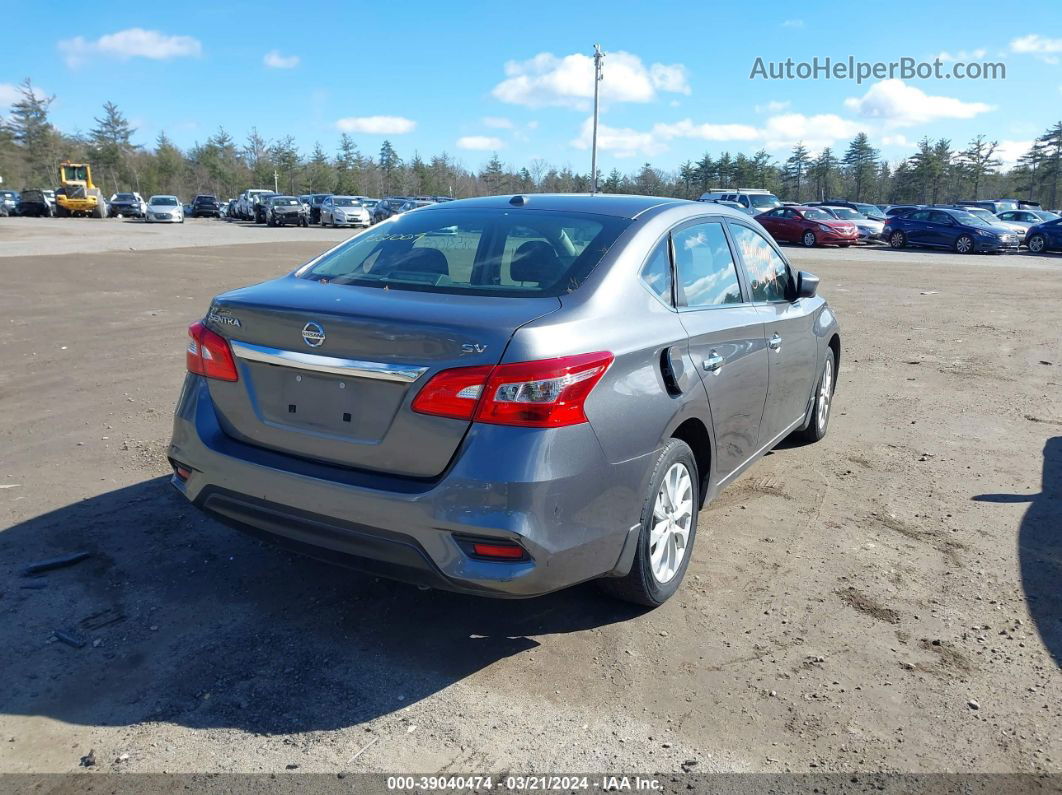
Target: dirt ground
[886,600]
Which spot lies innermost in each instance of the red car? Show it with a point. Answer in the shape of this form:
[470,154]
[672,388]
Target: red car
[809,226]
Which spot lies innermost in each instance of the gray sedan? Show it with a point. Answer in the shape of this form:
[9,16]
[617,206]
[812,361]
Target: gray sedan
[506,396]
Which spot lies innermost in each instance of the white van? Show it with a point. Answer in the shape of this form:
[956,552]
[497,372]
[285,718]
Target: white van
[756,199]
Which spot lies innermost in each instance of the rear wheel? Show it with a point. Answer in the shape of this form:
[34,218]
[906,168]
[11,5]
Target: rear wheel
[669,527]
[1036,244]
[964,245]
[897,240]
[808,239]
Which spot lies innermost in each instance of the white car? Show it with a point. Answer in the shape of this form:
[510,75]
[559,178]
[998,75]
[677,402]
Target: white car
[344,211]
[164,209]
[1021,220]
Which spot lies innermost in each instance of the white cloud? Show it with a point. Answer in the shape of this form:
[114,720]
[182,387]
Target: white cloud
[479,143]
[793,23]
[816,132]
[899,105]
[774,106]
[895,140]
[1010,151]
[568,81]
[621,141]
[10,94]
[962,55]
[498,123]
[1034,43]
[706,132]
[131,43]
[274,60]
[376,125]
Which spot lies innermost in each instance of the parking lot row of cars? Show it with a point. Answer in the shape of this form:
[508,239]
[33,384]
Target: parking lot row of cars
[995,225]
[264,206]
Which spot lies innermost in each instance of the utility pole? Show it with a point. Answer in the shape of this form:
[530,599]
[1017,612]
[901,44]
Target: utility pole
[276,183]
[598,58]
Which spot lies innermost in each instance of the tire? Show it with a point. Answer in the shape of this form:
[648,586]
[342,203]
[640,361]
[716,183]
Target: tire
[964,244]
[898,240]
[808,239]
[1037,245]
[824,389]
[648,584]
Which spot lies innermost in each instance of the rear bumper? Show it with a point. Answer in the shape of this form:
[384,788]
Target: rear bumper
[550,490]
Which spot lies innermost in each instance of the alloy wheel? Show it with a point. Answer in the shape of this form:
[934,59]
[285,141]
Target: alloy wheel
[825,395]
[672,518]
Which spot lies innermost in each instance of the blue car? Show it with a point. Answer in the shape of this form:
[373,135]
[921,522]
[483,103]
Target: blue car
[1045,237]
[951,229]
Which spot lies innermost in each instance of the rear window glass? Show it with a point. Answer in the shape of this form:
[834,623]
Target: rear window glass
[474,251]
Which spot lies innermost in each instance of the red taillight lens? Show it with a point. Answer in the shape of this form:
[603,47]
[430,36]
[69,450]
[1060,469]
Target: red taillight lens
[498,551]
[209,354]
[545,394]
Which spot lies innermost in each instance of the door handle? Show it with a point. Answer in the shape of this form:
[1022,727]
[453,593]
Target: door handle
[713,362]
[775,343]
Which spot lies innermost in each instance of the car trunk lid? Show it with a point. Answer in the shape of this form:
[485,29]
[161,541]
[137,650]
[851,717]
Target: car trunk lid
[328,372]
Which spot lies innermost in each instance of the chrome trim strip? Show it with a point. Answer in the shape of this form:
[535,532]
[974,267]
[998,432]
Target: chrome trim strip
[404,374]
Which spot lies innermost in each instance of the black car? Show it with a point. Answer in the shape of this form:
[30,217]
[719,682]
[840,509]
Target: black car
[127,205]
[261,206]
[315,201]
[387,207]
[206,205]
[284,210]
[35,204]
[8,202]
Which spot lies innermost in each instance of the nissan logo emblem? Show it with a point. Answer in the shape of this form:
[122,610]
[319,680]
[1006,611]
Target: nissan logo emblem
[313,335]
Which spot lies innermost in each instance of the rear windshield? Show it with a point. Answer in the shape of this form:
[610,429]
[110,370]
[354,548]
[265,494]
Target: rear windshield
[764,200]
[474,251]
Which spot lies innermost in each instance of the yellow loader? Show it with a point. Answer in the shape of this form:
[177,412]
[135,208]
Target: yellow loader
[77,195]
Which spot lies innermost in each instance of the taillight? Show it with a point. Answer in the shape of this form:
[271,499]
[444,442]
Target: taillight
[209,354]
[543,394]
[498,551]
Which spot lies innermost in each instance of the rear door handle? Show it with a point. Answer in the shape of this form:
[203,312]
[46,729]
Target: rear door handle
[775,343]
[713,362]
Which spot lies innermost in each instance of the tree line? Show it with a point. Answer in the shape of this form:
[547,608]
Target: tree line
[31,148]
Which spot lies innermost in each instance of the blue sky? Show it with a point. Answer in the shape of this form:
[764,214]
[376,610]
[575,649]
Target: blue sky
[472,78]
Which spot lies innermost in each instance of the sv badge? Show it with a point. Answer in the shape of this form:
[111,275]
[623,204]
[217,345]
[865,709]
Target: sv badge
[473,347]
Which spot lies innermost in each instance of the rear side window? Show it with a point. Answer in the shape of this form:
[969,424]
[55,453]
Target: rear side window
[707,275]
[769,276]
[482,251]
[656,273]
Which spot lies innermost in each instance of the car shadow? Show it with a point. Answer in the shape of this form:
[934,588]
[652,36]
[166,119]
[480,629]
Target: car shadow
[1040,548]
[185,621]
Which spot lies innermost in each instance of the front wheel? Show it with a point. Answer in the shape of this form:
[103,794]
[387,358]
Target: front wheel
[897,240]
[964,245]
[820,412]
[1036,244]
[669,527]
[809,239]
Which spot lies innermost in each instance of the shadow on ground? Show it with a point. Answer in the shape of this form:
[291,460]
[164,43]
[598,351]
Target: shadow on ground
[1040,548]
[189,622]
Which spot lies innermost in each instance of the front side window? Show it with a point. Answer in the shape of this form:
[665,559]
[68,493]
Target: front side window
[705,266]
[481,251]
[656,272]
[769,275]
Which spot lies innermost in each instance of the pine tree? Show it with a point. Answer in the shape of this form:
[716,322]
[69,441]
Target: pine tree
[111,141]
[861,163]
[823,173]
[795,170]
[389,163]
[34,133]
[319,174]
[493,174]
[977,161]
[169,162]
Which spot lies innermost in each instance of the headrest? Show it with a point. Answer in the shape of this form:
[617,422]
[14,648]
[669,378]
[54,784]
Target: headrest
[535,261]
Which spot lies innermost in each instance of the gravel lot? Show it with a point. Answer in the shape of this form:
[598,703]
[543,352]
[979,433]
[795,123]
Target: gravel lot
[887,600]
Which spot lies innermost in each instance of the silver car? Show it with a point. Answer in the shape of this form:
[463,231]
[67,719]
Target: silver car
[869,229]
[164,209]
[344,211]
[507,395]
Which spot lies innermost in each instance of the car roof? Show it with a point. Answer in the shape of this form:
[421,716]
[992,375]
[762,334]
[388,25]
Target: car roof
[618,205]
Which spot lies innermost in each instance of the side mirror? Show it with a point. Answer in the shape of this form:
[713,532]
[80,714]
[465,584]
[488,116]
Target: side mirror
[807,284]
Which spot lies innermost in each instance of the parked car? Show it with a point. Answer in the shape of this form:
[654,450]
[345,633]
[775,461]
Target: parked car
[753,198]
[245,203]
[315,201]
[413,204]
[206,205]
[127,205]
[223,209]
[164,208]
[1022,220]
[893,210]
[481,418]
[343,211]
[868,228]
[947,228]
[994,206]
[9,202]
[990,218]
[871,211]
[809,226]
[368,204]
[260,206]
[1045,237]
[33,203]
[387,207]
[284,210]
